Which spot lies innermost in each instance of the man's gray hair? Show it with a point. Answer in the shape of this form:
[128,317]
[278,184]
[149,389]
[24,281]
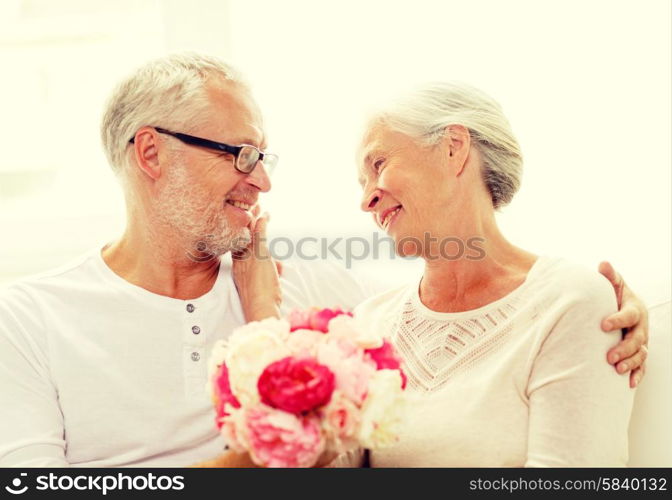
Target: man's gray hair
[425,113]
[168,92]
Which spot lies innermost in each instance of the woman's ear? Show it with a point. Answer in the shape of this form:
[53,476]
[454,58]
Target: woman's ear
[458,143]
[146,151]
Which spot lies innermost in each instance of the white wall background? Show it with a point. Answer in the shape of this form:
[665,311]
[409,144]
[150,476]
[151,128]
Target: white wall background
[586,85]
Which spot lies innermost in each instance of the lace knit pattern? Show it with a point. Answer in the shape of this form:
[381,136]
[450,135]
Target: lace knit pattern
[434,351]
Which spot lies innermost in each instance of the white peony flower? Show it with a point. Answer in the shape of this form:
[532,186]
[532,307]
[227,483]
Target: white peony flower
[350,328]
[383,410]
[217,356]
[278,326]
[221,348]
[251,349]
[304,342]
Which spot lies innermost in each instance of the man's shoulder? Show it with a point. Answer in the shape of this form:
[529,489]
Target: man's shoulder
[54,280]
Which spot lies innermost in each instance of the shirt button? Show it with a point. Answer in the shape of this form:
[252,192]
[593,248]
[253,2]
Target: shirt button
[196,330]
[195,356]
[190,308]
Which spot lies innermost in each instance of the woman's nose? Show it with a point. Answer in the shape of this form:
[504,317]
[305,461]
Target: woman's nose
[370,200]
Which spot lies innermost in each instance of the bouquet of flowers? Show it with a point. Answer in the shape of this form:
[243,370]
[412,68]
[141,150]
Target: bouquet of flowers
[314,385]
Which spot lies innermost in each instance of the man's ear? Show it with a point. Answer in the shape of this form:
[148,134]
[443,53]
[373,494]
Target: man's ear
[146,150]
[458,144]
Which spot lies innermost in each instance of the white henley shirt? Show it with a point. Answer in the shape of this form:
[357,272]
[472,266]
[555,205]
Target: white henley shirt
[98,372]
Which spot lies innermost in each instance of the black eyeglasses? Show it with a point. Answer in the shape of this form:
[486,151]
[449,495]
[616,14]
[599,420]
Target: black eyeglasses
[247,156]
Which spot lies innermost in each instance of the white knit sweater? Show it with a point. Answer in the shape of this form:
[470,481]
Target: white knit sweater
[522,381]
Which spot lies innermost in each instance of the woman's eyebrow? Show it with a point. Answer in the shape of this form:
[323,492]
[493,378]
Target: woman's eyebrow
[361,180]
[371,154]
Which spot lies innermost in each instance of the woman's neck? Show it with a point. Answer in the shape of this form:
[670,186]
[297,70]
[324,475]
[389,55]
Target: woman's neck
[487,268]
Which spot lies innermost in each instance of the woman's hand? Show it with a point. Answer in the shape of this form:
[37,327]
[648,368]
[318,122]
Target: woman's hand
[255,274]
[633,318]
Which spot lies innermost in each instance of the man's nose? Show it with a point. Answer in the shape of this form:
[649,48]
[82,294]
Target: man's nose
[370,200]
[259,178]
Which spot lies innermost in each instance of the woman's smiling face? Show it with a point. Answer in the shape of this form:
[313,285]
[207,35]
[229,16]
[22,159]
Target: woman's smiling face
[406,185]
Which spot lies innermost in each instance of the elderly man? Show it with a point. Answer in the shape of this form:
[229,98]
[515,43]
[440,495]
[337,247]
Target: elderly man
[103,362]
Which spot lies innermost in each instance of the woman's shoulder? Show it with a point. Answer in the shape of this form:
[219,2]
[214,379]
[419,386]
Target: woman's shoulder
[573,282]
[384,306]
[569,302]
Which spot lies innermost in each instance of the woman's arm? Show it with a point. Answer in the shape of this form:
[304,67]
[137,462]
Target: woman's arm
[579,407]
[255,274]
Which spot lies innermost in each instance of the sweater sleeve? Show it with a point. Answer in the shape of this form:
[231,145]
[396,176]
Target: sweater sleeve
[579,407]
[31,434]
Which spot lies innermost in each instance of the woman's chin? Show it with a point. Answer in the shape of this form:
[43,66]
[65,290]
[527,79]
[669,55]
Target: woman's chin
[407,246]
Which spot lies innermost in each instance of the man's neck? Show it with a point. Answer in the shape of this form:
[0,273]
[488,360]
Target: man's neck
[160,269]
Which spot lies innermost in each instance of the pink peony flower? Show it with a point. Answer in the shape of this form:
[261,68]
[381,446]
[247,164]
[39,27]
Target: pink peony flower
[233,431]
[299,320]
[351,368]
[223,394]
[296,385]
[386,358]
[279,439]
[319,319]
[340,423]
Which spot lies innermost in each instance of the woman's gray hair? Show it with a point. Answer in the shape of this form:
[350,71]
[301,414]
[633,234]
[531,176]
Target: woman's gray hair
[425,113]
[168,92]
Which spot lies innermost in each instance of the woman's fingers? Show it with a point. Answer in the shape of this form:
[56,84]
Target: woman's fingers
[259,237]
[256,274]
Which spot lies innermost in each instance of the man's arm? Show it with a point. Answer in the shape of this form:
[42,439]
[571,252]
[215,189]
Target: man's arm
[633,319]
[31,429]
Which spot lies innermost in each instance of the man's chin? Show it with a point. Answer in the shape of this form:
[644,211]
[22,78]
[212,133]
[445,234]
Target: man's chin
[209,247]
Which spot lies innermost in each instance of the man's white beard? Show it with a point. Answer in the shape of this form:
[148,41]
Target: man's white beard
[195,222]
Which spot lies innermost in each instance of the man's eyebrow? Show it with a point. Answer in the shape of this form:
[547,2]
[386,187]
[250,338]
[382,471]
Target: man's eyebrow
[251,142]
[246,140]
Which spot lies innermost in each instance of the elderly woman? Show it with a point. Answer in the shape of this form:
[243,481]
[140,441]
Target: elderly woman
[502,348]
